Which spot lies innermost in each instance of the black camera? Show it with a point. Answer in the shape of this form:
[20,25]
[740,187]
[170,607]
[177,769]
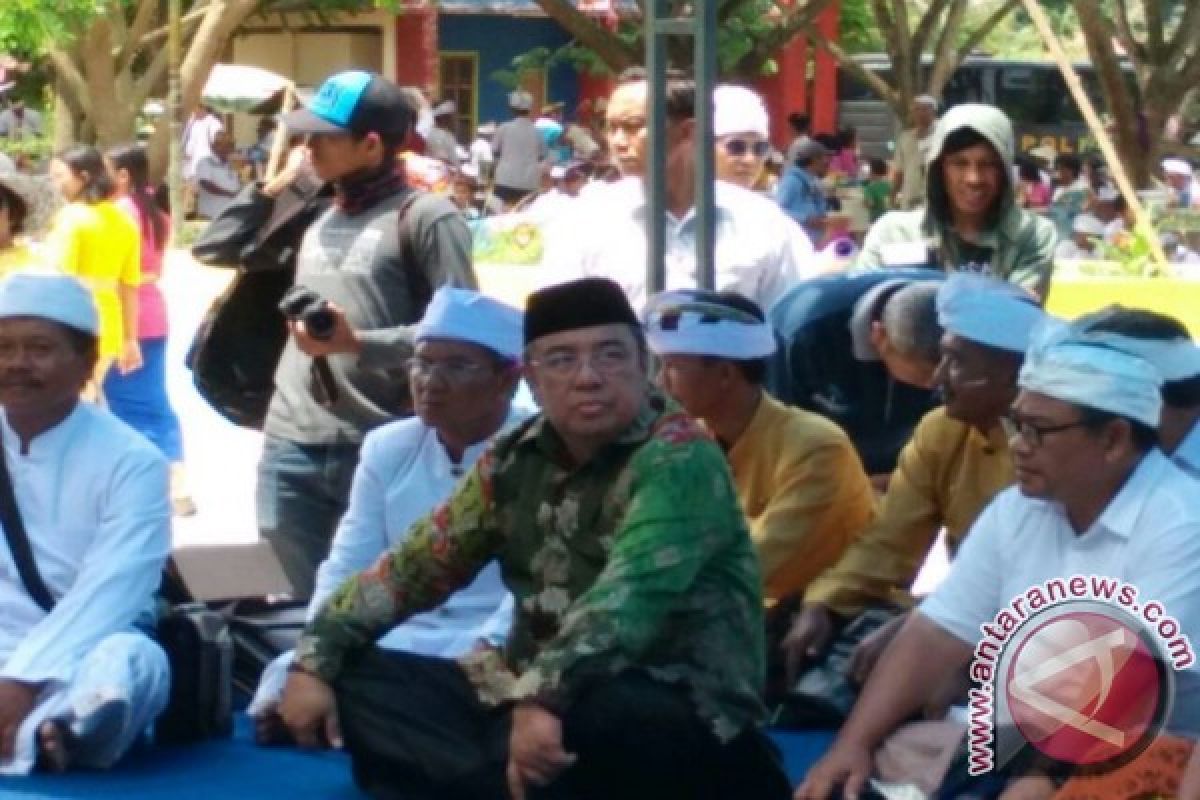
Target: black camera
[302,304]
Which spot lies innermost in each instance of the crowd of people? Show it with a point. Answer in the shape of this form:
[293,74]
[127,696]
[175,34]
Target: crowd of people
[590,548]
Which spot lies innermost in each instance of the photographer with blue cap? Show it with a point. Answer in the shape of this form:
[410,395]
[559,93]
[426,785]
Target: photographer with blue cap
[368,267]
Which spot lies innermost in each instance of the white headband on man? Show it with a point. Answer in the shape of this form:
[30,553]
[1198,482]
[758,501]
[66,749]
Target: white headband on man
[737,109]
[1085,369]
[50,295]
[684,323]
[468,316]
[988,311]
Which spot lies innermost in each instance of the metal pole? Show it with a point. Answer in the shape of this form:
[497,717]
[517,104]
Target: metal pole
[705,59]
[656,154]
[174,115]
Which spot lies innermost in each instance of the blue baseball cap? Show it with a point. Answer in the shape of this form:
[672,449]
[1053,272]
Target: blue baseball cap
[354,102]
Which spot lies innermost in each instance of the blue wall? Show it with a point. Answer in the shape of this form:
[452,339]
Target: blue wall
[498,39]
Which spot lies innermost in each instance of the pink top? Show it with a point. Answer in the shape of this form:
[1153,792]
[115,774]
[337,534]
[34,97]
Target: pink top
[845,161]
[1037,194]
[152,308]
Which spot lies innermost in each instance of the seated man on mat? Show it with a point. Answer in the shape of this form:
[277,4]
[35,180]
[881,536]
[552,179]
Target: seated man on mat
[797,475]
[462,376]
[635,662]
[957,461]
[85,543]
[1095,503]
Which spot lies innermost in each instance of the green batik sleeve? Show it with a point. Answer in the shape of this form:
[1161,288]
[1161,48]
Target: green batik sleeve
[443,552]
[682,510]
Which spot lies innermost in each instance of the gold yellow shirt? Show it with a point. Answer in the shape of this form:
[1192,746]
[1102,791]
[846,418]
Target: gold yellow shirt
[101,245]
[945,477]
[804,493]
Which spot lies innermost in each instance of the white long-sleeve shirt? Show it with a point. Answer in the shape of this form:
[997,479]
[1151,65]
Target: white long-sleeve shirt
[403,473]
[760,252]
[93,496]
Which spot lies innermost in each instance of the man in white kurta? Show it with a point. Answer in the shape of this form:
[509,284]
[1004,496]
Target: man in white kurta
[79,682]
[406,469]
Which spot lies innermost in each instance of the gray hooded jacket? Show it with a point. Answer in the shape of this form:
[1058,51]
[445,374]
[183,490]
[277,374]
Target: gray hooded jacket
[1019,248]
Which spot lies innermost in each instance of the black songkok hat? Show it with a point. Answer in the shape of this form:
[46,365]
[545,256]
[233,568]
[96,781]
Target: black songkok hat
[569,306]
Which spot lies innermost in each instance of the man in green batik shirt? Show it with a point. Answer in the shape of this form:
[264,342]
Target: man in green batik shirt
[635,663]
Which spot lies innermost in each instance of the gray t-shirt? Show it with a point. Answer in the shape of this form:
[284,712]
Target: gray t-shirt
[354,261]
[520,150]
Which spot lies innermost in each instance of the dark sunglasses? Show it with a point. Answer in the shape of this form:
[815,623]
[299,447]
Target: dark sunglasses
[739,147]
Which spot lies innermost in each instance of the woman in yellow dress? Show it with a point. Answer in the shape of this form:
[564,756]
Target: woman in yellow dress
[95,240]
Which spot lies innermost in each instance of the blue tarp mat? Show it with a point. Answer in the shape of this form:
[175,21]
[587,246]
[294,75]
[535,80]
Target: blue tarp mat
[237,769]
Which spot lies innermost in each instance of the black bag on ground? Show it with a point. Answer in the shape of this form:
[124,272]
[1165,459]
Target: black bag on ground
[260,632]
[824,693]
[200,652]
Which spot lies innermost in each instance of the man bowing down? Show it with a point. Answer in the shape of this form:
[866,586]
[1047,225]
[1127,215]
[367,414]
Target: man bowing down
[78,683]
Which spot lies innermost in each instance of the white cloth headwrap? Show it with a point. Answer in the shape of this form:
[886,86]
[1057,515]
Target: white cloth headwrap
[50,295]
[680,323]
[469,316]
[737,109]
[988,311]
[1175,359]
[1088,369]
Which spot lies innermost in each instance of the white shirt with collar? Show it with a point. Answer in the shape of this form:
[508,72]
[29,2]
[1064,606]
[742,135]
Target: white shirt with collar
[93,496]
[404,472]
[1148,536]
[760,251]
[1187,454]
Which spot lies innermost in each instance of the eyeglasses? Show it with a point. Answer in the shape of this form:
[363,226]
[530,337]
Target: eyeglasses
[737,148]
[452,370]
[1015,425]
[607,359]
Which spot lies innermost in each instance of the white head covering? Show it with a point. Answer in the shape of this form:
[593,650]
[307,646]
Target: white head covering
[1175,359]
[1069,364]
[520,100]
[49,295]
[926,100]
[468,316]
[1177,166]
[988,311]
[444,108]
[737,109]
[1107,194]
[687,322]
[1087,224]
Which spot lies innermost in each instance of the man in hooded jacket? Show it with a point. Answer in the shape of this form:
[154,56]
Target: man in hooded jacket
[971,221]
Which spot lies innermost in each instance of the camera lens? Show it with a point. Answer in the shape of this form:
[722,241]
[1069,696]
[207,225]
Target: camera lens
[320,322]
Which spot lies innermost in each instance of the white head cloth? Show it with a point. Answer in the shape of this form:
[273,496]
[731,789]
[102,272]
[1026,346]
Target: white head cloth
[988,311]
[1177,166]
[688,323]
[737,109]
[468,316]
[1069,364]
[49,295]
[926,100]
[1175,359]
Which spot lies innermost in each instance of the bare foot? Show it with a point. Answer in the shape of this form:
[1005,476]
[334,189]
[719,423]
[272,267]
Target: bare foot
[54,744]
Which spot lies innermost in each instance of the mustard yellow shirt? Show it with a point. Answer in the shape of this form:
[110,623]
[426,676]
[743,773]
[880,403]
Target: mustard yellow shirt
[100,244]
[804,492]
[945,477]
[15,258]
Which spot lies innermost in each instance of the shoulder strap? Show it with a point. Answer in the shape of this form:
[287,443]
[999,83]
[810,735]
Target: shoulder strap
[18,540]
[419,285]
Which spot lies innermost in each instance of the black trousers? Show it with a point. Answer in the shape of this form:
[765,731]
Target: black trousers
[415,730]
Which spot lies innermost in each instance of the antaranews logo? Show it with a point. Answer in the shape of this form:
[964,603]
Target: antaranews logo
[1079,669]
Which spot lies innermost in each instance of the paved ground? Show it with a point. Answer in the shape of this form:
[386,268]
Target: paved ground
[222,457]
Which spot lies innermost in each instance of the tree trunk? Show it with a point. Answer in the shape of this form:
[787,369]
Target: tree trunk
[219,23]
